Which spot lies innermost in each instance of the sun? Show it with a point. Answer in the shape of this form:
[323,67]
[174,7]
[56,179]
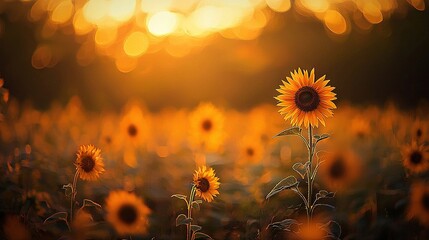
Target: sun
[207,183]
[127,213]
[305,101]
[89,162]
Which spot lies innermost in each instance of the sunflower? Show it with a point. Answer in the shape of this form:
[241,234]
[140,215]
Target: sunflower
[250,150]
[207,183]
[134,126]
[127,213]
[89,162]
[419,203]
[340,169]
[415,157]
[304,101]
[207,128]
[311,231]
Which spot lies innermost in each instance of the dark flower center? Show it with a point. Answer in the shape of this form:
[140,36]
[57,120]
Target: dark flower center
[132,130]
[307,99]
[425,201]
[203,184]
[250,152]
[127,213]
[338,169]
[87,163]
[416,158]
[108,139]
[419,133]
[207,125]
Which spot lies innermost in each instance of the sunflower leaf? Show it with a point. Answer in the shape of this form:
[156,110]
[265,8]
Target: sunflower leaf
[68,189]
[324,194]
[332,228]
[290,131]
[285,183]
[201,235]
[57,216]
[182,220]
[196,228]
[90,203]
[321,137]
[301,169]
[284,224]
[196,204]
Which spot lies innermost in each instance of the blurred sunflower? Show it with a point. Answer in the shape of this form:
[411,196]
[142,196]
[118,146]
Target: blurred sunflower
[89,162]
[14,228]
[360,127]
[250,150]
[419,130]
[207,183]
[304,101]
[311,231]
[419,203]
[415,157]
[134,126]
[340,169]
[127,213]
[207,128]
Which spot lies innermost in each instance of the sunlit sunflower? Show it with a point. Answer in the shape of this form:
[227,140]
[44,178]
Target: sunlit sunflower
[340,169]
[415,157]
[419,203]
[305,101]
[89,162]
[127,213]
[207,128]
[207,183]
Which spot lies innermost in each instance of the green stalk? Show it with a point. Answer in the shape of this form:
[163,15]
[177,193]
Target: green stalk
[73,194]
[309,172]
[188,225]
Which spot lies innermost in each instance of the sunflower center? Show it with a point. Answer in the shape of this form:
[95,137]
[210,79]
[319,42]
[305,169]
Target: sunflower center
[307,99]
[338,169]
[416,157]
[127,213]
[87,163]
[203,184]
[250,152]
[207,125]
[425,201]
[132,130]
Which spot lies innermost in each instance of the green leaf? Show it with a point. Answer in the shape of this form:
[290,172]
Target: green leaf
[324,194]
[68,189]
[290,131]
[286,183]
[90,203]
[283,225]
[182,220]
[196,228]
[201,235]
[179,196]
[57,216]
[321,137]
[196,204]
[301,169]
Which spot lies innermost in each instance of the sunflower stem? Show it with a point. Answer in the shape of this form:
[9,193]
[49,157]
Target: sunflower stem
[309,172]
[73,194]
[188,225]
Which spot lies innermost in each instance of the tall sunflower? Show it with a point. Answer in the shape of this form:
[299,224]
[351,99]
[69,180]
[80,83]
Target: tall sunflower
[419,203]
[89,162]
[127,213]
[207,183]
[305,101]
[415,157]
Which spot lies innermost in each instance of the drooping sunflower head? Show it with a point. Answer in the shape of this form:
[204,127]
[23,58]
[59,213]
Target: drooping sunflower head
[305,101]
[206,183]
[340,169]
[127,213]
[89,162]
[415,158]
[419,203]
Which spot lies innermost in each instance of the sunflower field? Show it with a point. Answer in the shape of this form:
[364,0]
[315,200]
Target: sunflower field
[212,119]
